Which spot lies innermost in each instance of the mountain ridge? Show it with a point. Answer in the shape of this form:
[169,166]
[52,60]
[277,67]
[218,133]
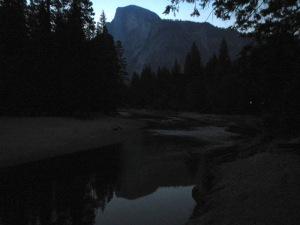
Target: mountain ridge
[150,40]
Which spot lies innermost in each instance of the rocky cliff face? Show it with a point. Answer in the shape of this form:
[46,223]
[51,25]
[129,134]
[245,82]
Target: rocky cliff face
[149,40]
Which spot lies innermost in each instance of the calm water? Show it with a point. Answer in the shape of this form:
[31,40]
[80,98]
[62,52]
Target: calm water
[145,181]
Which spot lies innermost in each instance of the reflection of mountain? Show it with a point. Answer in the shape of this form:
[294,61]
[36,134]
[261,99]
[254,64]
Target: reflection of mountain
[69,189]
[153,166]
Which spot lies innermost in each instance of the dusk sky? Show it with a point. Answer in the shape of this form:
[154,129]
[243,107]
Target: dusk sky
[157,6]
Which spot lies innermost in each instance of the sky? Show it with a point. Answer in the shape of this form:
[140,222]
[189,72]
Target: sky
[157,6]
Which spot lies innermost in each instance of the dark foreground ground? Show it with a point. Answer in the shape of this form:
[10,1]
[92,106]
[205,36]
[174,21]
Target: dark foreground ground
[254,181]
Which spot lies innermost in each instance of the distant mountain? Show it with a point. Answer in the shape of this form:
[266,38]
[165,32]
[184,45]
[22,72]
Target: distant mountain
[149,40]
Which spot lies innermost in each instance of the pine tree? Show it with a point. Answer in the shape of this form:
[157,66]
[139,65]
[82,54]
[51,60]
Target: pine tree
[13,26]
[45,18]
[88,19]
[193,63]
[147,87]
[112,68]
[224,79]
[122,64]
[59,14]
[2,63]
[135,91]
[101,25]
[211,66]
[195,90]
[180,87]
[13,40]
[80,19]
[176,69]
[196,62]
[211,83]
[75,23]
[188,65]
[224,58]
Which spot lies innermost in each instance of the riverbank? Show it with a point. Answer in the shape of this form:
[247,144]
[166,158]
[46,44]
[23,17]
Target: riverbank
[256,181]
[24,140]
[252,176]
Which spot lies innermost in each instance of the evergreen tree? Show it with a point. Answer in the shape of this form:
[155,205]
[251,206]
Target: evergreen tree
[176,69]
[13,39]
[224,59]
[179,86]
[112,69]
[80,20]
[101,25]
[59,14]
[188,65]
[75,23]
[88,19]
[2,63]
[122,64]
[40,55]
[193,64]
[224,79]
[211,82]
[134,91]
[195,90]
[147,87]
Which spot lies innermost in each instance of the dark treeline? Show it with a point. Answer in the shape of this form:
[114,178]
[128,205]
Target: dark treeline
[55,60]
[264,79]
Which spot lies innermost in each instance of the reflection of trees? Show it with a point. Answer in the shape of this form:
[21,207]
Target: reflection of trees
[65,190]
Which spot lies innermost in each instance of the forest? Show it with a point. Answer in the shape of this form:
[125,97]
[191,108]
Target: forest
[263,80]
[56,60]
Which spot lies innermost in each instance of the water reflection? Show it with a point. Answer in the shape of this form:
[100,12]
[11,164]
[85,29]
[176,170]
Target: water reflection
[99,186]
[167,205]
[65,190]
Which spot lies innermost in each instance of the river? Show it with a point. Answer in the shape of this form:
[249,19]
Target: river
[147,180]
